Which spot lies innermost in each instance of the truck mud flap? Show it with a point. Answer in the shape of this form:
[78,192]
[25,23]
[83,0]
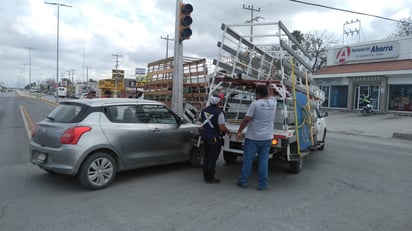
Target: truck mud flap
[296,157]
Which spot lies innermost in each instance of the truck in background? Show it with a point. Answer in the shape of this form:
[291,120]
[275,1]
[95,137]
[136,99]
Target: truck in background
[62,92]
[275,59]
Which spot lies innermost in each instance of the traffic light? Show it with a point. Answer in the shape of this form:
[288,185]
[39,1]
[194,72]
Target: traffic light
[185,20]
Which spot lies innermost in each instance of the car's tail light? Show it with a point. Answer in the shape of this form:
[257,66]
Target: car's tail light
[33,131]
[72,135]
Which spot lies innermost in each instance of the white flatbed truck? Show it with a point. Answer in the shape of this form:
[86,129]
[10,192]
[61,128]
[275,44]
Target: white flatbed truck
[283,65]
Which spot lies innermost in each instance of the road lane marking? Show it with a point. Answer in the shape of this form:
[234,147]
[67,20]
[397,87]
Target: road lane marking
[28,123]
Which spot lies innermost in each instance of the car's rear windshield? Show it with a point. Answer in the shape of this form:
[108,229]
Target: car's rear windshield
[66,113]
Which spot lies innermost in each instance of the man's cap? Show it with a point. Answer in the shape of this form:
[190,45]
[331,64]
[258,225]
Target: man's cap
[213,100]
[221,95]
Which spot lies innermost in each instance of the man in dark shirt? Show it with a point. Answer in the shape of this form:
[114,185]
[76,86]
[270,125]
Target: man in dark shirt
[213,123]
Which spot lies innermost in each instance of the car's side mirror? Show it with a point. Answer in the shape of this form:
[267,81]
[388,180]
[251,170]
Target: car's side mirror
[181,120]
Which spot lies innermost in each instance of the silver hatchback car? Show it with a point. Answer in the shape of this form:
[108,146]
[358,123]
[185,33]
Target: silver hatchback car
[96,138]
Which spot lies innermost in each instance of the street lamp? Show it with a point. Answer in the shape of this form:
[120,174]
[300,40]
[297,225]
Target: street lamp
[24,75]
[57,66]
[29,48]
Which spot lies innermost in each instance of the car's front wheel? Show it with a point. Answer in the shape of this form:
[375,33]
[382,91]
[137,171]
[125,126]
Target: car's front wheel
[97,171]
[196,157]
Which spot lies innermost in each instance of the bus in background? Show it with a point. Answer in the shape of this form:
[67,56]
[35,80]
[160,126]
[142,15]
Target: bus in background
[62,92]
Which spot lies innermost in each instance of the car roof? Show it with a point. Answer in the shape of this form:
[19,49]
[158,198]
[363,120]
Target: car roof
[98,102]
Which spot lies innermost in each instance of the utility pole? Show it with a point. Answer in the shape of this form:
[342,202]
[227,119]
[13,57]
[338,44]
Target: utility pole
[71,72]
[83,66]
[251,18]
[167,43]
[177,90]
[87,78]
[116,74]
[58,19]
[350,29]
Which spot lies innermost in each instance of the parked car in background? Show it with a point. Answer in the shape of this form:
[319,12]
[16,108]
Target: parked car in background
[94,139]
[73,96]
[83,95]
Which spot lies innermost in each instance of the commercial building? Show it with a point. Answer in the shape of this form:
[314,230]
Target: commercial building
[379,69]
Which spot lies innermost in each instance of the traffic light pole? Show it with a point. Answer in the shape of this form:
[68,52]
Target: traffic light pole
[177,91]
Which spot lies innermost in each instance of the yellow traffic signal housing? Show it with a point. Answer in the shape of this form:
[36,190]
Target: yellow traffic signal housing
[185,20]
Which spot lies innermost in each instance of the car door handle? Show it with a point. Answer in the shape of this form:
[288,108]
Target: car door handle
[156,130]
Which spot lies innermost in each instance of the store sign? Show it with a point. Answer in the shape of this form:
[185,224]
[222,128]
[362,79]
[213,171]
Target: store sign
[118,73]
[368,52]
[367,78]
[140,71]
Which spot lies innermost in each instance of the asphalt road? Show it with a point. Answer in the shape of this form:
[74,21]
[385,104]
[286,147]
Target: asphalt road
[356,183]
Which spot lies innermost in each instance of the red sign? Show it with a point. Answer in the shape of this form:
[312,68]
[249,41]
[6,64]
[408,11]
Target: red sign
[342,55]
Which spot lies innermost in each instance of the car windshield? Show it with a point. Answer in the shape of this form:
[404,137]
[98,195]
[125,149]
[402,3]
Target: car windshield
[65,113]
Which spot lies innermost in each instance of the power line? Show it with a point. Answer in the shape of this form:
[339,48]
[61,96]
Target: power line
[349,11]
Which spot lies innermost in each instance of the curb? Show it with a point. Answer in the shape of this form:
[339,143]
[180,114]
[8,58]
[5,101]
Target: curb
[396,135]
[404,136]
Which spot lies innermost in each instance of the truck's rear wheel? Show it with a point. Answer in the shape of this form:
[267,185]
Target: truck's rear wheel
[229,157]
[323,141]
[295,166]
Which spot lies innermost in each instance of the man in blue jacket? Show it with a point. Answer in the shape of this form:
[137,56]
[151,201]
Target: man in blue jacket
[213,121]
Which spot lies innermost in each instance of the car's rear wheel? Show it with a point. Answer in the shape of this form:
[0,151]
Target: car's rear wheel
[97,171]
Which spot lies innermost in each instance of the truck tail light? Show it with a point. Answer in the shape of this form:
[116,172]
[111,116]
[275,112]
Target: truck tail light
[73,134]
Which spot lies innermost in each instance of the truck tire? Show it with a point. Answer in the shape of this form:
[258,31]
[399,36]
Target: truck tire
[295,166]
[229,157]
[323,141]
[196,157]
[97,171]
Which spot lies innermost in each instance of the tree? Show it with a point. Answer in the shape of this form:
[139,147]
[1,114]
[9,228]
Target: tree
[317,43]
[404,28]
[299,36]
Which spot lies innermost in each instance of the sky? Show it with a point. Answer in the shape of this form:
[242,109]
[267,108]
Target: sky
[92,31]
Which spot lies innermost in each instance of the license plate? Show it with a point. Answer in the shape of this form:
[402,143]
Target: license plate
[41,157]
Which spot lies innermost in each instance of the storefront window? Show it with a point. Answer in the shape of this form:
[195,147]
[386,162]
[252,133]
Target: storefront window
[400,98]
[338,96]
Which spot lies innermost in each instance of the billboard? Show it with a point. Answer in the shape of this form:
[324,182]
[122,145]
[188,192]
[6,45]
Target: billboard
[140,71]
[117,73]
[367,52]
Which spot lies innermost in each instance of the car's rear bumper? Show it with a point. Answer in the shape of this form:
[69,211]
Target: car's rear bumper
[63,160]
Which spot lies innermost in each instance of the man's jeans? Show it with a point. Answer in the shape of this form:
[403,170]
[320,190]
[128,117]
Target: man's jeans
[262,148]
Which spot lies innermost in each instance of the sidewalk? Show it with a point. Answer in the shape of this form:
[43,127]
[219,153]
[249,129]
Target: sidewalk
[388,125]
